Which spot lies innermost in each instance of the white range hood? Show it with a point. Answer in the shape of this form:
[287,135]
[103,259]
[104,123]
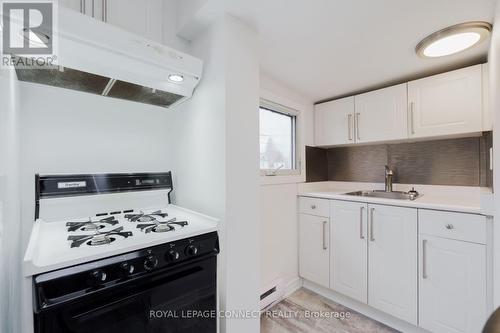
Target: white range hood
[96,57]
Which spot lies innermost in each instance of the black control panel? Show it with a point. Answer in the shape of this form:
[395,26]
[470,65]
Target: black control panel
[67,284]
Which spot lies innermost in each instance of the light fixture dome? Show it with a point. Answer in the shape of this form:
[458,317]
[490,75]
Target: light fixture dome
[454,39]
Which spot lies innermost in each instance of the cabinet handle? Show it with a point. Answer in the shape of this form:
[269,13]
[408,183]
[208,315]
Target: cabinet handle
[372,238]
[313,206]
[361,210]
[449,226]
[104,10]
[83,6]
[412,120]
[324,233]
[424,259]
[357,126]
[349,127]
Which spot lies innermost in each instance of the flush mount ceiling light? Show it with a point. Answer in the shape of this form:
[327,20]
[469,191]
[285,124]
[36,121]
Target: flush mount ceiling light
[176,78]
[454,39]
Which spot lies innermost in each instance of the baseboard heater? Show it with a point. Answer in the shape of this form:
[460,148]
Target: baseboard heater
[271,294]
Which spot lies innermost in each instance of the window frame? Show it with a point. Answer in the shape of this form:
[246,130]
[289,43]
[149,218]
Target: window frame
[296,161]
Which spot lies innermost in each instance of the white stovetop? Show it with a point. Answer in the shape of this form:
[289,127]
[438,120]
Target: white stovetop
[49,249]
[464,199]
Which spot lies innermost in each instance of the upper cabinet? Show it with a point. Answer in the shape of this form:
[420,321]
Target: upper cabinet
[140,17]
[381,115]
[334,122]
[446,104]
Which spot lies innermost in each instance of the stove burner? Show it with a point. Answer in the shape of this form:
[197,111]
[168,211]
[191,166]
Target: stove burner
[146,218]
[162,226]
[142,217]
[91,225]
[98,238]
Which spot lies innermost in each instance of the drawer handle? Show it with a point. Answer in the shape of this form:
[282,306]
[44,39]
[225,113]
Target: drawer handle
[449,226]
[313,206]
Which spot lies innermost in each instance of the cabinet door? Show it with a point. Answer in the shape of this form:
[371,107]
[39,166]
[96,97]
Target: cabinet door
[334,122]
[452,293]
[141,17]
[382,115]
[92,8]
[392,258]
[446,104]
[348,255]
[76,5]
[314,252]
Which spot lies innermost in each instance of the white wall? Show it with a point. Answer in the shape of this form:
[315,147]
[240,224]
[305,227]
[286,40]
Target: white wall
[169,17]
[279,225]
[494,68]
[242,237]
[10,227]
[65,131]
[216,159]
[214,144]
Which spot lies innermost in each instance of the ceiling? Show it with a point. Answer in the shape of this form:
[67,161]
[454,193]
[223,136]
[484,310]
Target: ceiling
[331,48]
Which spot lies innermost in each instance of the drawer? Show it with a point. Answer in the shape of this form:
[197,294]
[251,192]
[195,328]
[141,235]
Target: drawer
[460,226]
[314,206]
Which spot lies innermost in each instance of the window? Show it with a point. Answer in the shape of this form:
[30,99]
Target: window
[278,139]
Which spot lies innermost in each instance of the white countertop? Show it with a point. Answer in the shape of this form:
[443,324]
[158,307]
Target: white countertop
[449,198]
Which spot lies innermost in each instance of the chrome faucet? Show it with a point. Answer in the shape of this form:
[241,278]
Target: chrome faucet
[389,173]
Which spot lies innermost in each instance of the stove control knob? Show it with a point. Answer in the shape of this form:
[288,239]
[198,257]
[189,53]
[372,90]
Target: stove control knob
[173,255]
[98,276]
[191,250]
[150,263]
[126,268]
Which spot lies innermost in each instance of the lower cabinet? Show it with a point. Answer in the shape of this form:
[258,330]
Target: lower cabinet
[452,293]
[314,249]
[434,276]
[348,257]
[392,261]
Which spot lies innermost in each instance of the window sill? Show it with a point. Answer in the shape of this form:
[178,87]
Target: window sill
[281,179]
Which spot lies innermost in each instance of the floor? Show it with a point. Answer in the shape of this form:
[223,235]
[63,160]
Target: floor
[307,312]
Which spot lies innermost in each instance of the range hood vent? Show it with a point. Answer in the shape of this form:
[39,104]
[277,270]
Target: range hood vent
[73,79]
[98,58]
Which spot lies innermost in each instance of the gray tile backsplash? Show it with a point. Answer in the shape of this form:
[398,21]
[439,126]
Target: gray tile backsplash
[463,161]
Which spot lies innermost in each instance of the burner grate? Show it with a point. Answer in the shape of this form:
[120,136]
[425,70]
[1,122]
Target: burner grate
[98,238]
[91,225]
[162,226]
[142,217]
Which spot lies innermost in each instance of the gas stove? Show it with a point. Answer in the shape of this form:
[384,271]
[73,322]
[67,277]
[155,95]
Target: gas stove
[81,218]
[103,245]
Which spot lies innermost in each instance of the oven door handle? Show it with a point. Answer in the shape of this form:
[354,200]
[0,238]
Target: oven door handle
[156,280]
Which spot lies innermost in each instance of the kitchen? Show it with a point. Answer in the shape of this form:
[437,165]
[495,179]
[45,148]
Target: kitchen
[331,120]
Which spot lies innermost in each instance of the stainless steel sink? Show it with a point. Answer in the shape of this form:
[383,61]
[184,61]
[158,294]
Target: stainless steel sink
[398,195]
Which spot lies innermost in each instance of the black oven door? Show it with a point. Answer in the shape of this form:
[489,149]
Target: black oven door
[175,301]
